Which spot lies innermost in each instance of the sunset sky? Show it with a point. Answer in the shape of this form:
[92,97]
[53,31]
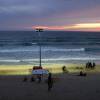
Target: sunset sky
[71,15]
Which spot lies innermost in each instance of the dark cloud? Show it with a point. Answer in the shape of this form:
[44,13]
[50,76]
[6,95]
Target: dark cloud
[46,12]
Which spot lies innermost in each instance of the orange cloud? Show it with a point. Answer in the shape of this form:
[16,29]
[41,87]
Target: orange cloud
[87,25]
[80,26]
[50,27]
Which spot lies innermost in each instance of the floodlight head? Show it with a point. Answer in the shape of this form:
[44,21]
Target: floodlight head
[39,30]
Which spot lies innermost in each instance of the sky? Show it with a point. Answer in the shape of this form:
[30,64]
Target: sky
[71,15]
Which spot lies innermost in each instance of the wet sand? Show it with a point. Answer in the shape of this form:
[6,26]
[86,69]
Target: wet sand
[66,87]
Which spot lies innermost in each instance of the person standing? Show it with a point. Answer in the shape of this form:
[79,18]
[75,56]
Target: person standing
[93,65]
[50,82]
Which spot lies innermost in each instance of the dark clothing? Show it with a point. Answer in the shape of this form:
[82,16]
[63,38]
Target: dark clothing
[94,65]
[39,78]
[90,65]
[50,82]
[82,74]
[64,68]
[32,79]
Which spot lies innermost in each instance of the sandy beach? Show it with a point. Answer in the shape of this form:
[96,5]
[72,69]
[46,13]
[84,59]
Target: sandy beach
[67,86]
[20,51]
[49,49]
[53,68]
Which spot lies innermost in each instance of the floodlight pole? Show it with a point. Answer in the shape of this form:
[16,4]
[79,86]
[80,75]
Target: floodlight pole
[39,30]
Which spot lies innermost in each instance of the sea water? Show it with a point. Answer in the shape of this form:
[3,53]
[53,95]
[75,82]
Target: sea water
[22,47]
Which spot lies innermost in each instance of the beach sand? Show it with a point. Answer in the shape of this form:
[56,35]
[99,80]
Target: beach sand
[67,86]
[53,68]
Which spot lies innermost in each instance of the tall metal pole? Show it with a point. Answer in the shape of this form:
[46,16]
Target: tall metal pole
[39,30]
[40,56]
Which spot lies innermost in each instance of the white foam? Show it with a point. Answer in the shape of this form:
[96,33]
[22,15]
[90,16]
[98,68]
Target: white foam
[51,59]
[68,50]
[62,59]
[44,49]
[16,61]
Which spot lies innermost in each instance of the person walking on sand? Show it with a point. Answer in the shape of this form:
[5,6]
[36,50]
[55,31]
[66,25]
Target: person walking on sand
[50,82]
[93,65]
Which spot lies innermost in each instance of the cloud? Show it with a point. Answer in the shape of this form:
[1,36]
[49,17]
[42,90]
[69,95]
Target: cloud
[47,12]
[73,27]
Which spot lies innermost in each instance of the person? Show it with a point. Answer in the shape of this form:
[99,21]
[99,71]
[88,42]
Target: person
[64,69]
[87,65]
[32,79]
[39,78]
[93,65]
[50,82]
[82,73]
[90,65]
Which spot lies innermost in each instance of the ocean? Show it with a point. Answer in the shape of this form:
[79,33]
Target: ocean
[22,47]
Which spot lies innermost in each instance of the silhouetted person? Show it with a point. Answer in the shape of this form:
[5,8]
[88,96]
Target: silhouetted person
[87,65]
[50,82]
[39,78]
[93,66]
[64,69]
[32,79]
[82,74]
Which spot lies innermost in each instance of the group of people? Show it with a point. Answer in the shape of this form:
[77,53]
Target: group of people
[90,65]
[50,79]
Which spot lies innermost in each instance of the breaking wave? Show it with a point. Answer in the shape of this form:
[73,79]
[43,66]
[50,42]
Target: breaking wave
[49,60]
[33,50]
